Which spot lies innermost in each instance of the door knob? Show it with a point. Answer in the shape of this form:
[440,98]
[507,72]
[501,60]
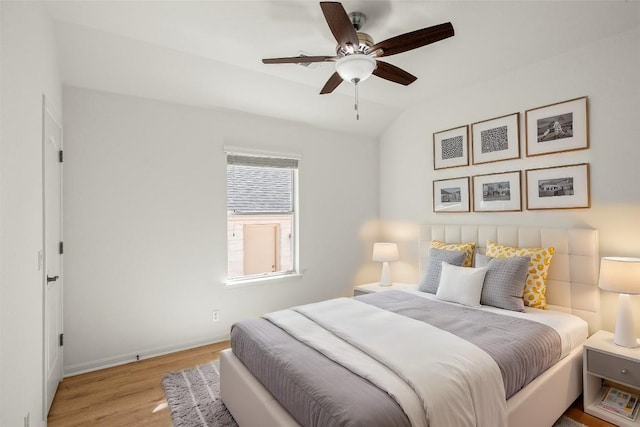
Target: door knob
[52,279]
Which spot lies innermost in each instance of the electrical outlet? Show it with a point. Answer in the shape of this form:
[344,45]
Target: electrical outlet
[27,423]
[216,315]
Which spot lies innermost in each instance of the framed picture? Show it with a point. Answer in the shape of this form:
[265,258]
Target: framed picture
[498,192]
[496,139]
[557,127]
[451,148]
[451,195]
[562,187]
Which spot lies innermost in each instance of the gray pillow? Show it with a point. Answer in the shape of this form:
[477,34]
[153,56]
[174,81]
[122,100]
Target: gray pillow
[504,282]
[431,279]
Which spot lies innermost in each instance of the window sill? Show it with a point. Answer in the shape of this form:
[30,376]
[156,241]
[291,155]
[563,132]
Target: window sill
[253,281]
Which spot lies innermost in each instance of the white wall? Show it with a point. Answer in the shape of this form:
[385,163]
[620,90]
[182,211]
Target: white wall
[29,69]
[606,71]
[145,223]
[1,204]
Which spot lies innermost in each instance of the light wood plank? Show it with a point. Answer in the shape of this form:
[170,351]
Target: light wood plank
[124,395]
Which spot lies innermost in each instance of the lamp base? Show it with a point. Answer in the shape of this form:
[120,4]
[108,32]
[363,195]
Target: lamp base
[385,276]
[625,334]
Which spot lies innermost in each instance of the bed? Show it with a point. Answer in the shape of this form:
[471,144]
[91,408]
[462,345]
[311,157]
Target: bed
[571,288]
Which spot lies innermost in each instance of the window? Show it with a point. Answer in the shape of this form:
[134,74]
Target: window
[261,216]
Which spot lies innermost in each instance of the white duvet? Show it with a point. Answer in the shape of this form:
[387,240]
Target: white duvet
[436,377]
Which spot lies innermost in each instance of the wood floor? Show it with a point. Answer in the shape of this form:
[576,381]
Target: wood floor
[126,395]
[132,394]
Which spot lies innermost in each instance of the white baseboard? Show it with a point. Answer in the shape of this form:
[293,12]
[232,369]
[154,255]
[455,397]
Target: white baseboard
[109,362]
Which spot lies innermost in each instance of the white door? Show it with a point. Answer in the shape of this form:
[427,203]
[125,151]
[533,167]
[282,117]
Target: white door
[52,198]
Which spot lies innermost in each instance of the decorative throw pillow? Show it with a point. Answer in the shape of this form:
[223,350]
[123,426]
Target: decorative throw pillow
[431,279]
[504,282]
[462,285]
[467,248]
[535,287]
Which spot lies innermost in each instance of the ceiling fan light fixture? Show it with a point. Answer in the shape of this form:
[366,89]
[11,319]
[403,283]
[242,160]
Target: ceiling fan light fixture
[355,68]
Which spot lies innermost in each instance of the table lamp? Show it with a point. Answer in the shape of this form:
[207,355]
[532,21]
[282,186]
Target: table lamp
[385,253]
[622,275]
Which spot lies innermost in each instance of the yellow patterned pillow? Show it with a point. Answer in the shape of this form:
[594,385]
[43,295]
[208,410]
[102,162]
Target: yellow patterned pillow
[535,288]
[468,248]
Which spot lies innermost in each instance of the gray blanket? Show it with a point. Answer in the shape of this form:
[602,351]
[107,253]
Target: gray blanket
[523,349]
[319,392]
[315,390]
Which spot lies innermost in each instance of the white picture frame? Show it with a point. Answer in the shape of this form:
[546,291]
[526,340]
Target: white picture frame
[497,192]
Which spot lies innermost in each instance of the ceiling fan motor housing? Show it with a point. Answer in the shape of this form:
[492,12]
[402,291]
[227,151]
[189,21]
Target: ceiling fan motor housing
[366,41]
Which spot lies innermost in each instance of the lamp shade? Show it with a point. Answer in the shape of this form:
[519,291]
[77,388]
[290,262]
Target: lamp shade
[620,275]
[385,252]
[357,67]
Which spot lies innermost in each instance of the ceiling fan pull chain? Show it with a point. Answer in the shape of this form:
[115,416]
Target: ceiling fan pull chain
[356,105]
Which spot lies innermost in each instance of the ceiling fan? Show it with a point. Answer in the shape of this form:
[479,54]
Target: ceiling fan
[357,55]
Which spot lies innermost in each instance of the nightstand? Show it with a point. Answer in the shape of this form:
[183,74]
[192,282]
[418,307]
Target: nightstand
[375,287]
[618,366]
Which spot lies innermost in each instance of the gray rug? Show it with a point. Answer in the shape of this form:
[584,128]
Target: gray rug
[193,396]
[565,421]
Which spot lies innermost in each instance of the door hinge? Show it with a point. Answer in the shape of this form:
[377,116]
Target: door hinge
[61,340]
[61,248]
[61,156]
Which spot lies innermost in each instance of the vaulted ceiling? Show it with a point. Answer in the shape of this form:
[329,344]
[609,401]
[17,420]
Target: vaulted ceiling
[208,53]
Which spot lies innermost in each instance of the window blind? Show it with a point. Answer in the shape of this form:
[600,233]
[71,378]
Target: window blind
[268,162]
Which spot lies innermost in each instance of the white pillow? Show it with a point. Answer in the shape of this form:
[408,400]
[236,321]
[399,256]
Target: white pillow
[462,285]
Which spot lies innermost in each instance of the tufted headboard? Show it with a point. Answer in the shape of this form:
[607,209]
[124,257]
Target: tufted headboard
[572,282]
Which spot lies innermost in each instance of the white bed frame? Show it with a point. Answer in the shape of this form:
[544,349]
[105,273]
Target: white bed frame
[572,286]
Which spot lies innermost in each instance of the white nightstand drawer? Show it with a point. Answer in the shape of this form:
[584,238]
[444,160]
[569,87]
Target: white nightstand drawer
[614,368]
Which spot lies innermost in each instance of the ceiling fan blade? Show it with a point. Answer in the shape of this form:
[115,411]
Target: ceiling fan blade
[393,73]
[333,82]
[299,59]
[413,40]
[339,23]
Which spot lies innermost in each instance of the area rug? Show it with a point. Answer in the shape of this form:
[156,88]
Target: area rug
[565,421]
[193,396]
